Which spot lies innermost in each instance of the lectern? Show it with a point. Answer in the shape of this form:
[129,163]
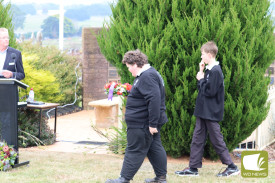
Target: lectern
[9,105]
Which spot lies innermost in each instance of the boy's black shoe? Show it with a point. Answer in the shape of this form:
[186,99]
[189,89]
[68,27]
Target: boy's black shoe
[119,180]
[229,172]
[160,179]
[187,172]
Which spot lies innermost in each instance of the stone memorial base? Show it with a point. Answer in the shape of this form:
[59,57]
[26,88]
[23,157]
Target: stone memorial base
[107,112]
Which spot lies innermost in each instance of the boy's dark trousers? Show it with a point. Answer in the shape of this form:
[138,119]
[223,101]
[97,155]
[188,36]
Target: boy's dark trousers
[140,143]
[199,140]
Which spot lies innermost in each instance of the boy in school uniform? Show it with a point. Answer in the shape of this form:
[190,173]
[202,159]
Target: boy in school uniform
[144,116]
[209,111]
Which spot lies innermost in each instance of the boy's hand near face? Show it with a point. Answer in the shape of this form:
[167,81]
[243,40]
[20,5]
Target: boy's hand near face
[202,65]
[200,74]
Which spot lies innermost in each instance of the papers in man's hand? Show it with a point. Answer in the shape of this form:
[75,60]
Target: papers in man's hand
[1,72]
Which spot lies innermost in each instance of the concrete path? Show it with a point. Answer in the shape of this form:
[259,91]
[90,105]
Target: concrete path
[75,134]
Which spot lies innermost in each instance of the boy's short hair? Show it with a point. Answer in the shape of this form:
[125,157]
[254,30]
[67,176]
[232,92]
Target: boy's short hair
[135,57]
[210,47]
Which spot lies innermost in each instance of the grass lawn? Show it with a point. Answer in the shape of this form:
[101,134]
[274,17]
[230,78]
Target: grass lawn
[60,167]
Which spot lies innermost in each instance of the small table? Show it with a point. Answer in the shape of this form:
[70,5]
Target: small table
[43,107]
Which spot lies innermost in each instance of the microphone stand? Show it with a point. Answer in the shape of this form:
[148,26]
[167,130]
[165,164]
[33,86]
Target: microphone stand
[15,67]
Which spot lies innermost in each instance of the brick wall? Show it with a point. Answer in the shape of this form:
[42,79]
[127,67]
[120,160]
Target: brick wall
[96,70]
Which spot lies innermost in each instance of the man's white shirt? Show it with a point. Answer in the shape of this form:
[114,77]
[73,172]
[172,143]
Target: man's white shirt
[2,58]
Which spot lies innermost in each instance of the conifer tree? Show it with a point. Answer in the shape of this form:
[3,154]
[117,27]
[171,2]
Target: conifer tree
[171,32]
[6,21]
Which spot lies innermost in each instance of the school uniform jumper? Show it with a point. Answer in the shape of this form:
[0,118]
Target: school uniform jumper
[209,111]
[145,107]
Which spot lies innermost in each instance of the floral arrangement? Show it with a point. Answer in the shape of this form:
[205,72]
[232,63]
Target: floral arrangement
[8,156]
[115,89]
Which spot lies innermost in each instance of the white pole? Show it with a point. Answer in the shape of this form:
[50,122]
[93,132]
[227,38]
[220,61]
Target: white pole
[61,25]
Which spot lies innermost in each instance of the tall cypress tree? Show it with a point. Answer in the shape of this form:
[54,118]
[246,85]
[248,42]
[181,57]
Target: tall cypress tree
[6,21]
[171,32]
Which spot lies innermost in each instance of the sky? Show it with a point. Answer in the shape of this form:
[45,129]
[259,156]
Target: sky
[69,1]
[66,2]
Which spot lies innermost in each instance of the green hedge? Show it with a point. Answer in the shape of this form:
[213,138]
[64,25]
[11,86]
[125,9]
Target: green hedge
[171,33]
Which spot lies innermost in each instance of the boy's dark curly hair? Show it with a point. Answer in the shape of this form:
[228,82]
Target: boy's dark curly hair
[135,57]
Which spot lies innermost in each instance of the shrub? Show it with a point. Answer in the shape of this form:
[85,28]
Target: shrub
[171,33]
[43,82]
[60,65]
[28,124]
[118,139]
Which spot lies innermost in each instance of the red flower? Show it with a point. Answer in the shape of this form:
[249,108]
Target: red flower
[107,86]
[8,154]
[128,87]
[119,89]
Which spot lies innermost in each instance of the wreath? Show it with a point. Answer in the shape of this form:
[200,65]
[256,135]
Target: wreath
[8,156]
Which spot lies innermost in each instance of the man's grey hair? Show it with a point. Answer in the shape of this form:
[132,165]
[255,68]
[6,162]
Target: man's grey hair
[2,29]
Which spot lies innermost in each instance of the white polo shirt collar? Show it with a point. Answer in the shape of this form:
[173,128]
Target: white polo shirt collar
[209,67]
[144,68]
[3,58]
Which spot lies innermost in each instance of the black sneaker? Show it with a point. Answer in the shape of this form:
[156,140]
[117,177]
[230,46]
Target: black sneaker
[229,172]
[187,172]
[160,179]
[119,180]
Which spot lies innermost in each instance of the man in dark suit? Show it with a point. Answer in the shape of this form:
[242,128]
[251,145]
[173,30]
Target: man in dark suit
[11,65]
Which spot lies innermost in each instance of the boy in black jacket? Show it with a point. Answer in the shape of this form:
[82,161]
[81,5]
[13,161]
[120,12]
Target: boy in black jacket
[209,111]
[144,116]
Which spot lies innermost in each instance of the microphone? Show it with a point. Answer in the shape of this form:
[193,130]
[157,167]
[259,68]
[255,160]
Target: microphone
[13,57]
